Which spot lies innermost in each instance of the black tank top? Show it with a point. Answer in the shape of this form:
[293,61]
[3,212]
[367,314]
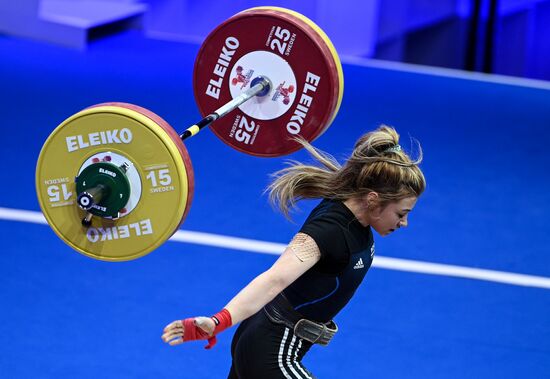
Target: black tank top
[347,250]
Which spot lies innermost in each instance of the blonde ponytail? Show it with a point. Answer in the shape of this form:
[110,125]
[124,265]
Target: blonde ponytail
[377,164]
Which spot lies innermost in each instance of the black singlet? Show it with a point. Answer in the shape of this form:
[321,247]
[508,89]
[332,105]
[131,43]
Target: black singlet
[347,250]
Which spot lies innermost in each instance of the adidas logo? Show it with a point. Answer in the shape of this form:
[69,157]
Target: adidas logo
[359,264]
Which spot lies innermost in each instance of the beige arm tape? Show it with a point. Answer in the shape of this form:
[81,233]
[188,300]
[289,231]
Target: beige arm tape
[304,247]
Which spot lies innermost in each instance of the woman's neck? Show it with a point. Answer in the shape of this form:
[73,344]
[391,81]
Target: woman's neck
[356,206]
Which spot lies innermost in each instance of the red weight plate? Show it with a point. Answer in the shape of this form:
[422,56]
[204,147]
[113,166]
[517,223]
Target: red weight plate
[284,47]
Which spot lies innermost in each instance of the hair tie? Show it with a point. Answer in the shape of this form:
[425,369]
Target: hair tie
[393,149]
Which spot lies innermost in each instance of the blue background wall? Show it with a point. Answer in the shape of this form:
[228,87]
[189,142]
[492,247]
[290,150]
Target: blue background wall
[426,32]
[414,31]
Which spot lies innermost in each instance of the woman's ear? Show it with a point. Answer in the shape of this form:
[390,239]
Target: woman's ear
[372,200]
[372,206]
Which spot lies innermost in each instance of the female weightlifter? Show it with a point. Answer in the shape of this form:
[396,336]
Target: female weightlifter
[291,306]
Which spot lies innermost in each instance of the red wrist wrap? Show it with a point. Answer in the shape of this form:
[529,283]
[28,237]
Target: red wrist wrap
[193,332]
[222,320]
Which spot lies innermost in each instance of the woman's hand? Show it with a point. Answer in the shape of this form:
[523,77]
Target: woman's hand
[175,332]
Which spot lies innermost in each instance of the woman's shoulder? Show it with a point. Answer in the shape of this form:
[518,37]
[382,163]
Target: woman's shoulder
[333,221]
[331,210]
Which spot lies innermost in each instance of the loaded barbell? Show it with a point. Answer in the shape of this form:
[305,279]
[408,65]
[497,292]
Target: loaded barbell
[115,180]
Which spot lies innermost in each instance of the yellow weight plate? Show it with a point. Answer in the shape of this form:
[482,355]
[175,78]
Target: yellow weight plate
[163,166]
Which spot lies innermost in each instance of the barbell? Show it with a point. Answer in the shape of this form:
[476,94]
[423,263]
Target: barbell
[115,181]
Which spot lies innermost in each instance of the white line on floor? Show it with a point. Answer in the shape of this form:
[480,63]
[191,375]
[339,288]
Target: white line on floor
[263,247]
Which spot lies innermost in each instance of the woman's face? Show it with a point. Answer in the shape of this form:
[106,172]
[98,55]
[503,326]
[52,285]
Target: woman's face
[393,216]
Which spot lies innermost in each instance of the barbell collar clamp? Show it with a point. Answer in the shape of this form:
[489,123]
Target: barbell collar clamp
[87,199]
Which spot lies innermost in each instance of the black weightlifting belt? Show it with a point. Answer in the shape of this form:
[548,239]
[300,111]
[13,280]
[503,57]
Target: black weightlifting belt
[281,312]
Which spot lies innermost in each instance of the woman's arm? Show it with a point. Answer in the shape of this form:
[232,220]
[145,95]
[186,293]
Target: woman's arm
[269,284]
[300,255]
